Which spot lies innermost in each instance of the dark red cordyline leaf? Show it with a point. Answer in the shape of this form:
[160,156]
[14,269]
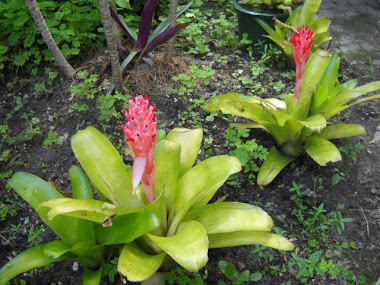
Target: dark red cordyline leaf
[123,26]
[146,23]
[123,49]
[165,36]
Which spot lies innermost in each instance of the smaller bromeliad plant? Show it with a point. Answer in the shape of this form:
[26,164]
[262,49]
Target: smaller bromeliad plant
[165,218]
[305,15]
[271,4]
[300,123]
[144,42]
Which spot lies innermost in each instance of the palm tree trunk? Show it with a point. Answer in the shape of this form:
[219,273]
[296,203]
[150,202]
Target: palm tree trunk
[39,20]
[111,43]
[172,21]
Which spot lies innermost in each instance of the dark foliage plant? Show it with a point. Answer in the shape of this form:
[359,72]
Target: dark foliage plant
[73,24]
[144,42]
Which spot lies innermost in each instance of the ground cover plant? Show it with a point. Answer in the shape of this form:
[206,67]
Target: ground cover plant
[330,213]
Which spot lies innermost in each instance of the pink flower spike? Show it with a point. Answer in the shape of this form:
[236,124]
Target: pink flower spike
[302,42]
[141,134]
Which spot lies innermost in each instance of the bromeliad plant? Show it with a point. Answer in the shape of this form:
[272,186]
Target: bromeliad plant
[304,15]
[144,43]
[177,195]
[300,123]
[89,241]
[271,4]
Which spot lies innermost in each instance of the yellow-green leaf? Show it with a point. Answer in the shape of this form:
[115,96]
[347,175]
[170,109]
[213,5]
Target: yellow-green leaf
[188,247]
[137,265]
[321,150]
[248,238]
[226,217]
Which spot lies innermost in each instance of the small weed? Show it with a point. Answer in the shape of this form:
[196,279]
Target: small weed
[110,269]
[180,276]
[248,152]
[188,82]
[87,87]
[53,138]
[236,277]
[352,151]
[35,236]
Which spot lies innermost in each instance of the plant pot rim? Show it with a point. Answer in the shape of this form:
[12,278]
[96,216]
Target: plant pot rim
[240,8]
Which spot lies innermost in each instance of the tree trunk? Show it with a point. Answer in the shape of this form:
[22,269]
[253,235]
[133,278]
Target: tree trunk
[172,21]
[116,29]
[39,20]
[111,44]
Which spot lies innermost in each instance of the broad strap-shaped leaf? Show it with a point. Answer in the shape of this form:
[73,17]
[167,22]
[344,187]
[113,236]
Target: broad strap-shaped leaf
[36,191]
[249,110]
[214,104]
[91,210]
[146,20]
[136,265]
[159,207]
[188,247]
[90,277]
[321,150]
[126,228]
[165,24]
[227,217]
[327,83]
[83,249]
[130,34]
[31,258]
[338,131]
[337,103]
[104,166]
[315,123]
[197,186]
[125,65]
[308,13]
[272,166]
[81,189]
[248,238]
[167,157]
[164,37]
[320,25]
[190,142]
[314,70]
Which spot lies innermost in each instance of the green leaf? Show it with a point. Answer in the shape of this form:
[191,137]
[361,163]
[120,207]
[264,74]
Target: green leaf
[199,185]
[90,277]
[230,217]
[27,260]
[126,228]
[339,131]
[256,276]
[213,105]
[91,210]
[249,238]
[326,84]
[314,70]
[308,13]
[104,166]
[188,247]
[321,150]
[81,189]
[190,141]
[167,162]
[36,191]
[128,60]
[137,265]
[272,166]
[315,123]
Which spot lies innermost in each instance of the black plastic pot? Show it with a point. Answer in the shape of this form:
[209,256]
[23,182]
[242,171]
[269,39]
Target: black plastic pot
[247,23]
